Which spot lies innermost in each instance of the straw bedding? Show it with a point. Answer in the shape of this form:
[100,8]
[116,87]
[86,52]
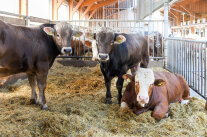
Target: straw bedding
[75,97]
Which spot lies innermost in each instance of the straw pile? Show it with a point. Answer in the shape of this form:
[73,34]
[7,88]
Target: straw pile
[75,97]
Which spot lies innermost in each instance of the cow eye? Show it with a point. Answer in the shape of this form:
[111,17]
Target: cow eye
[58,36]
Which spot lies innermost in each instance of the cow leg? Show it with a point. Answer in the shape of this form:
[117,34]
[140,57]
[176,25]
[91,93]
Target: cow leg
[160,111]
[145,62]
[134,69]
[119,86]
[108,90]
[41,82]
[32,82]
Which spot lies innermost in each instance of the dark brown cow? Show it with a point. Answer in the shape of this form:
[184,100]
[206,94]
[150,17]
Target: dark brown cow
[117,53]
[33,51]
[155,93]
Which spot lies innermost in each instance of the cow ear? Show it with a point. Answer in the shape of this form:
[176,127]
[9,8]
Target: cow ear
[49,31]
[119,39]
[128,76]
[77,34]
[159,82]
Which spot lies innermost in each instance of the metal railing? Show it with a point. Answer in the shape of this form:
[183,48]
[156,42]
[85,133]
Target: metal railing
[188,58]
[126,26]
[119,26]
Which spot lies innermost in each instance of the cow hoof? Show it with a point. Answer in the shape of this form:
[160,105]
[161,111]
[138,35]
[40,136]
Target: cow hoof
[45,107]
[32,101]
[108,101]
[123,105]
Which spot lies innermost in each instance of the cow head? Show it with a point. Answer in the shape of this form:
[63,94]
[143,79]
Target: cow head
[105,40]
[144,83]
[62,34]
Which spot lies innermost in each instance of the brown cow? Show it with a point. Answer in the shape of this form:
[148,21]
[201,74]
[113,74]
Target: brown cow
[32,50]
[150,90]
[78,44]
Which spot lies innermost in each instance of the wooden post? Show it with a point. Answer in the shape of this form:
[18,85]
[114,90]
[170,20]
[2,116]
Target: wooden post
[70,4]
[23,7]
[55,5]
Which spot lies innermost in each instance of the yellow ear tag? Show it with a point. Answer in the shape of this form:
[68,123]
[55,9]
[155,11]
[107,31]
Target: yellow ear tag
[159,84]
[50,33]
[119,41]
[90,36]
[77,35]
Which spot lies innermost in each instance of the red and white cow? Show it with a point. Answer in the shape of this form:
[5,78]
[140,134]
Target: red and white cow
[88,42]
[150,90]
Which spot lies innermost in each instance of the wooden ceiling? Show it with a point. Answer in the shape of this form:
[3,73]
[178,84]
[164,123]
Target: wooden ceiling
[86,8]
[188,10]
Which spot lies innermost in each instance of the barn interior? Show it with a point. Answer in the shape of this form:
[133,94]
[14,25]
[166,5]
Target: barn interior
[75,90]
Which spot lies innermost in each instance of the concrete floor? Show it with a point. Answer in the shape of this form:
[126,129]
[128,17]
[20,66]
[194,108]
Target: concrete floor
[195,94]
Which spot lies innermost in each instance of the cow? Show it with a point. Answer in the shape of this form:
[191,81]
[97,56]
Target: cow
[148,90]
[82,45]
[155,44]
[32,50]
[117,53]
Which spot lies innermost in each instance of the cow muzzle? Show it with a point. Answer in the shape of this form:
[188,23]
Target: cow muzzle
[143,100]
[103,57]
[66,50]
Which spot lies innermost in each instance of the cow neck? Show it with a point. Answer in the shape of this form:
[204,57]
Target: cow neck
[105,64]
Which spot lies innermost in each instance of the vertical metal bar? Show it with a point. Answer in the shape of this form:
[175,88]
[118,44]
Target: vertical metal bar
[182,57]
[166,26]
[191,63]
[176,57]
[193,84]
[199,68]
[188,62]
[201,47]
[172,49]
[205,69]
[196,67]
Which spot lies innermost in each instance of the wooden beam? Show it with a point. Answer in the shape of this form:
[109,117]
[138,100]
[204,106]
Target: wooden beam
[80,13]
[92,13]
[23,7]
[101,4]
[59,3]
[77,6]
[20,7]
[88,2]
[86,11]
[54,10]
[27,8]
[70,4]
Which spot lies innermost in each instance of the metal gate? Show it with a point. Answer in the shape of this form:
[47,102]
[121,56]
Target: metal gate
[153,30]
[188,58]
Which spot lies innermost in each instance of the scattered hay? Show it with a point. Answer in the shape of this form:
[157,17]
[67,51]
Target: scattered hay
[75,97]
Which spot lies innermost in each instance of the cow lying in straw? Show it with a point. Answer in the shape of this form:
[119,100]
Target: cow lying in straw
[150,90]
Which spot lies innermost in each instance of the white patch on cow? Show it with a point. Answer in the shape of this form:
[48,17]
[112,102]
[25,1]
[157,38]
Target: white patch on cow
[145,77]
[184,101]
[81,38]
[94,50]
[123,105]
